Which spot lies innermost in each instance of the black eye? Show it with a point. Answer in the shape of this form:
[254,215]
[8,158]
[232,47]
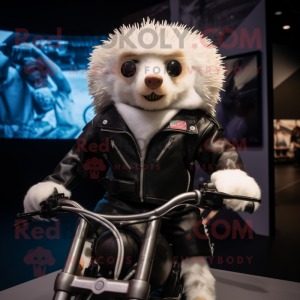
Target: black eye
[128,68]
[174,68]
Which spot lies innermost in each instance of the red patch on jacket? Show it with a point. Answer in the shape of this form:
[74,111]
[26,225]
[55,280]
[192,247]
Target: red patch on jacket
[181,125]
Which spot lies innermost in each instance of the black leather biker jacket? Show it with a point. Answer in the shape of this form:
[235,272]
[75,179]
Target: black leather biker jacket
[168,167]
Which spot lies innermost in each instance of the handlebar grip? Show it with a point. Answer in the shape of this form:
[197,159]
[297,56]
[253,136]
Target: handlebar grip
[249,208]
[207,186]
[22,223]
[211,186]
[25,215]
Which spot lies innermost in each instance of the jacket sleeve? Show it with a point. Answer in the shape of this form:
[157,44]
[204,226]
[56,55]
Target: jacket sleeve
[215,152]
[74,167]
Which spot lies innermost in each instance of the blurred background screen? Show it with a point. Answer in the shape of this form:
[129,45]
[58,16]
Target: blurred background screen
[43,87]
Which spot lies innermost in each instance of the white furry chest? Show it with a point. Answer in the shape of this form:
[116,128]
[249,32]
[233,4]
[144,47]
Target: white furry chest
[144,124]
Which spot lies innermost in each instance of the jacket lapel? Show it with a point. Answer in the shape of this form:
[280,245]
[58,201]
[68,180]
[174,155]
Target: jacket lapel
[113,120]
[184,121]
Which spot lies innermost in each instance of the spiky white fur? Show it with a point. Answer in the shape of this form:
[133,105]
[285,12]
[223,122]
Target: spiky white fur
[236,182]
[40,192]
[198,280]
[197,87]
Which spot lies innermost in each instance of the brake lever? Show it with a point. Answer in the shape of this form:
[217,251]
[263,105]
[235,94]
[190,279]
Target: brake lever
[210,190]
[49,208]
[213,200]
[15,226]
[217,195]
[26,215]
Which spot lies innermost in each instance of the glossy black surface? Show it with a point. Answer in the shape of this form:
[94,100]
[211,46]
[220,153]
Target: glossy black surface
[174,68]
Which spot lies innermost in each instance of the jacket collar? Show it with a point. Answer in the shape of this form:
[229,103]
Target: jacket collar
[184,121]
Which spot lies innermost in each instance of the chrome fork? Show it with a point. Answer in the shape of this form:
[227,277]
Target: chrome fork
[73,257]
[139,287]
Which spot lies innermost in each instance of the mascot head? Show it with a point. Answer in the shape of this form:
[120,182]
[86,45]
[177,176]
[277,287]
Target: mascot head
[156,66]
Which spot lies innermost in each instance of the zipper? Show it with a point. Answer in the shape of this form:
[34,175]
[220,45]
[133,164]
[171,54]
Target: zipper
[189,181]
[123,131]
[105,156]
[141,158]
[142,170]
[142,179]
[139,154]
[120,154]
[164,150]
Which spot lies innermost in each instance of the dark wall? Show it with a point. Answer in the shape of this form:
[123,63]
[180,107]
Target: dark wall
[286,80]
[27,162]
[85,18]
[287,98]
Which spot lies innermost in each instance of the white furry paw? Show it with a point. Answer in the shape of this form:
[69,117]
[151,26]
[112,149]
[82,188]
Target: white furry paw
[198,280]
[40,192]
[236,182]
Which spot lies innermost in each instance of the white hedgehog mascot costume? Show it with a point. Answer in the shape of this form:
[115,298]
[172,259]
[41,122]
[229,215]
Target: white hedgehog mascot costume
[155,87]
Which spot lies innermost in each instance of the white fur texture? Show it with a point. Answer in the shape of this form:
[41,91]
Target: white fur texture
[86,254]
[197,86]
[144,124]
[40,192]
[198,280]
[236,182]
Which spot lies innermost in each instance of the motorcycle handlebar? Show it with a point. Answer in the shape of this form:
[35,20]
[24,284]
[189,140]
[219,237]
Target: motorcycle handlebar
[205,198]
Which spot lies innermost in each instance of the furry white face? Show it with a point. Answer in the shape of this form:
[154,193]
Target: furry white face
[184,76]
[152,81]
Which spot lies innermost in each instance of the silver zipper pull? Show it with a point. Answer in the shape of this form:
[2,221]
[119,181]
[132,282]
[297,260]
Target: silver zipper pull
[120,154]
[167,146]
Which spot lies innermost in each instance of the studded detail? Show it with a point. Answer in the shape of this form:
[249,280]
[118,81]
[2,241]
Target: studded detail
[104,122]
